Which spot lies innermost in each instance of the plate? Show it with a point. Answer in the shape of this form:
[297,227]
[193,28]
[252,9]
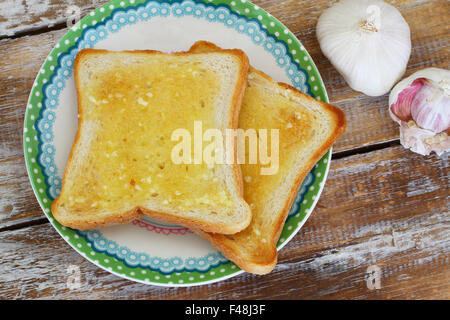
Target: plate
[146,250]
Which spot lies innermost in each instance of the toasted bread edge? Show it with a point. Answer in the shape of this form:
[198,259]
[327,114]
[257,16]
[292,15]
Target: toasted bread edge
[137,212]
[266,265]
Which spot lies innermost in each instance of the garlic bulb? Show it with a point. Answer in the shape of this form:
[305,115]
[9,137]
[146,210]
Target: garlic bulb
[420,104]
[367,41]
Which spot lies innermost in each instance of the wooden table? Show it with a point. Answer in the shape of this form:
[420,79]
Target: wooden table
[384,209]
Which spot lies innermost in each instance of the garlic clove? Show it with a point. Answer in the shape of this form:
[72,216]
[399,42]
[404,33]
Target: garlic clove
[420,104]
[439,76]
[402,106]
[430,108]
[423,141]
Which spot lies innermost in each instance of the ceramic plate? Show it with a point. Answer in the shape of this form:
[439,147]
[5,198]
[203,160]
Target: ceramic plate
[145,250]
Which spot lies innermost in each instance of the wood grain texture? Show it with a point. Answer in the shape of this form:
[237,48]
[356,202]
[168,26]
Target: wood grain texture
[19,65]
[19,17]
[388,208]
[372,212]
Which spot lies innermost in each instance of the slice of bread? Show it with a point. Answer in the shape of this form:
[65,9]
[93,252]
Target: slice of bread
[307,130]
[120,167]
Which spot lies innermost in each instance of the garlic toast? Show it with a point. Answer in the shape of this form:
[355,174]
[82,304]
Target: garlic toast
[130,103]
[307,130]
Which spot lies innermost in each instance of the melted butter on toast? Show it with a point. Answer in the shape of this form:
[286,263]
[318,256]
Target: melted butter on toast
[262,108]
[139,107]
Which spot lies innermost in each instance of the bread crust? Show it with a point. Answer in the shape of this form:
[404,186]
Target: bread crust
[268,259]
[138,211]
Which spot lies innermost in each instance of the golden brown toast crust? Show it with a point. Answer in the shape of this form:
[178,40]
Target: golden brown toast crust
[138,212]
[267,260]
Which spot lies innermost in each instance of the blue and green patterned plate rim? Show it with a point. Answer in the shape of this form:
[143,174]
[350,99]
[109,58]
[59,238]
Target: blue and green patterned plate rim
[241,15]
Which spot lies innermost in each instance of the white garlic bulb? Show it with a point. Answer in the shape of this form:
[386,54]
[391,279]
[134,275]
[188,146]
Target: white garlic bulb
[367,41]
[420,104]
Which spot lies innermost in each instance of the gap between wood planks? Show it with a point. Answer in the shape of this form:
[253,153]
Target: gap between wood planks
[33,31]
[23,223]
[365,149]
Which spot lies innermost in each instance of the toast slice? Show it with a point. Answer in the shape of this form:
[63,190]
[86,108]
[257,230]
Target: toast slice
[307,130]
[120,166]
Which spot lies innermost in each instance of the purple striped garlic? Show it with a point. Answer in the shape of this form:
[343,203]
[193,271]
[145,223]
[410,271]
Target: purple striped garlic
[420,104]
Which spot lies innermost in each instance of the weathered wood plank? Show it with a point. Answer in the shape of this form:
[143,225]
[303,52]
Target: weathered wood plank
[373,212]
[19,17]
[18,67]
